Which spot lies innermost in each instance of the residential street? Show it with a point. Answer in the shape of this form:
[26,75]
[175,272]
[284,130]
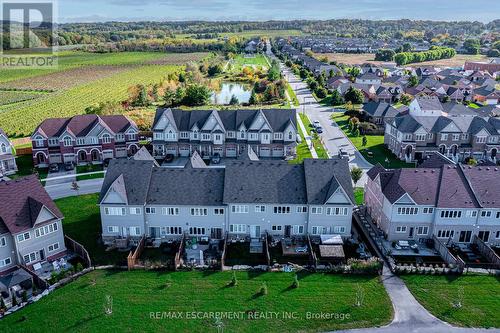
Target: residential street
[64,190]
[333,137]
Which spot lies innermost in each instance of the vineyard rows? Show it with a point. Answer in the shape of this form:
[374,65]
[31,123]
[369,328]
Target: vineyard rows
[10,97]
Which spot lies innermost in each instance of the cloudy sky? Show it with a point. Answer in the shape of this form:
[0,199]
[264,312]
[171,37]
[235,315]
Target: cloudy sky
[131,10]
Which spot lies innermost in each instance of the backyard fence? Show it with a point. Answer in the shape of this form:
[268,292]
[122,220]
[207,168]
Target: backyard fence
[447,256]
[24,151]
[178,255]
[314,259]
[266,248]
[78,249]
[224,253]
[41,283]
[487,252]
[134,256]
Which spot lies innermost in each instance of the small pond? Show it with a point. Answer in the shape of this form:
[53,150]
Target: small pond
[228,89]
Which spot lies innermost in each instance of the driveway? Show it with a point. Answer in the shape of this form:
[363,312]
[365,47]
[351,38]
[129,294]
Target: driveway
[333,138]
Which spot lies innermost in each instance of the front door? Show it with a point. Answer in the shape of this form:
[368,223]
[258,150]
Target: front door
[288,230]
[254,231]
[125,232]
[216,233]
[410,235]
[42,254]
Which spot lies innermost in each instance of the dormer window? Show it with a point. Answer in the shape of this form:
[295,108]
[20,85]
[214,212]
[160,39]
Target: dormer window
[242,134]
[106,138]
[195,134]
[3,148]
[39,141]
[290,135]
[67,141]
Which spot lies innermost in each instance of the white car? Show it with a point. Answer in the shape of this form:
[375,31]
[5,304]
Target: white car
[316,124]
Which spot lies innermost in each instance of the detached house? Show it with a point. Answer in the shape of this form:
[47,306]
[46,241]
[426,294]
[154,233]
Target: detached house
[270,133]
[84,139]
[452,202]
[244,199]
[7,160]
[30,224]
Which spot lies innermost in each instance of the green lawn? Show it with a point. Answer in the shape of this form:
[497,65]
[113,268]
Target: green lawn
[89,168]
[82,222]
[292,95]
[79,306]
[480,300]
[240,62]
[375,144]
[318,146]
[302,150]
[359,195]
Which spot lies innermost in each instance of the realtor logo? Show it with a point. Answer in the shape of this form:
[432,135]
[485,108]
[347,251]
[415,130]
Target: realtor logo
[27,34]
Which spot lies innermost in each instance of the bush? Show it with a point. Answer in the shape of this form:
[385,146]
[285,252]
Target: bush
[355,96]
[367,128]
[321,92]
[79,267]
[370,266]
[295,283]
[337,98]
[263,289]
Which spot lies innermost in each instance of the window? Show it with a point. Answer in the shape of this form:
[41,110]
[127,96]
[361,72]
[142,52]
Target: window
[298,229]
[239,209]
[282,209]
[493,139]
[80,141]
[219,211]
[45,230]
[486,213]
[120,137]
[93,140]
[113,229]
[455,137]
[260,209]
[3,148]
[422,230]
[319,230]
[205,136]
[336,211]
[3,241]
[67,141]
[53,247]
[170,135]
[238,228]
[498,215]
[445,233]
[316,210]
[170,210]
[218,137]
[276,228]
[199,212]
[135,231]
[465,136]
[339,230]
[5,262]
[106,138]
[184,135]
[39,141]
[420,137]
[429,136]
[401,229]
[135,211]
[23,237]
[451,214]
[428,210]
[158,136]
[471,213]
[195,134]
[30,257]
[497,235]
[444,136]
[407,210]
[302,209]
[230,135]
[53,142]
[170,231]
[278,136]
[407,137]
[114,211]
[132,136]
[242,134]
[150,210]
[481,139]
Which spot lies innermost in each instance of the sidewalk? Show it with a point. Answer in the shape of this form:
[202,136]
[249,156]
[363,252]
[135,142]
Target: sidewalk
[307,137]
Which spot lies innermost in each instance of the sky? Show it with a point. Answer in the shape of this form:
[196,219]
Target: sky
[263,10]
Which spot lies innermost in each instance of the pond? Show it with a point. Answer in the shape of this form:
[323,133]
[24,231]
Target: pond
[228,89]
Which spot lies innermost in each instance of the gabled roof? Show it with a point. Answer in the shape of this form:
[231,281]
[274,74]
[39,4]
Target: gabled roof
[406,123]
[484,182]
[22,201]
[380,109]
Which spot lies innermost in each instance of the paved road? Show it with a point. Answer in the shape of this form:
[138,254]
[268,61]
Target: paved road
[409,315]
[64,190]
[333,137]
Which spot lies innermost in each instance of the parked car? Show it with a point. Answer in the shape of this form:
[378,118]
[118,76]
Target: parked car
[319,129]
[216,158]
[316,124]
[54,167]
[169,158]
[68,166]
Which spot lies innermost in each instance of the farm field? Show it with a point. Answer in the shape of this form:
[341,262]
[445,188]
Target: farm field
[10,97]
[73,101]
[79,306]
[479,297]
[358,59]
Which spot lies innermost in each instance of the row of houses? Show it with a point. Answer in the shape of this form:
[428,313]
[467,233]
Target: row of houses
[7,159]
[452,202]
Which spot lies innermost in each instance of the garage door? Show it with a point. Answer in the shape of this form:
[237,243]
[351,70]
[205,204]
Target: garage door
[55,158]
[121,152]
[264,152]
[184,151]
[107,154]
[172,151]
[69,158]
[231,152]
[277,152]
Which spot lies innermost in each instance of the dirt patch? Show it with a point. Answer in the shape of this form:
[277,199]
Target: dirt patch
[179,58]
[65,79]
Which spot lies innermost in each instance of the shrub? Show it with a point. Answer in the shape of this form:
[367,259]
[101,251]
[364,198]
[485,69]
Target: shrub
[24,296]
[79,267]
[234,280]
[321,92]
[370,266]
[295,283]
[263,289]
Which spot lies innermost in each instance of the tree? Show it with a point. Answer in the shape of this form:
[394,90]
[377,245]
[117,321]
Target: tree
[234,100]
[214,70]
[337,98]
[169,97]
[472,46]
[274,73]
[141,98]
[405,99]
[253,98]
[385,55]
[354,95]
[364,141]
[354,72]
[356,174]
[413,81]
[321,92]
[196,95]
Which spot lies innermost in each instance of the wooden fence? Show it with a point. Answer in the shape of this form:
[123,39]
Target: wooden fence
[487,252]
[224,253]
[24,151]
[446,254]
[268,255]
[40,283]
[178,255]
[78,249]
[314,259]
[134,256]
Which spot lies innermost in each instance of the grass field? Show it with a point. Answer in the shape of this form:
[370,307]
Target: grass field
[240,62]
[358,59]
[359,195]
[318,146]
[82,222]
[479,295]
[375,144]
[79,306]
